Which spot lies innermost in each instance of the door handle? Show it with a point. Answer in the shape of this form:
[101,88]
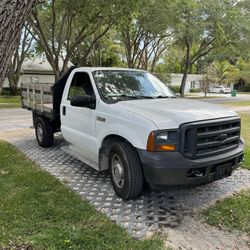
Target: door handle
[64,110]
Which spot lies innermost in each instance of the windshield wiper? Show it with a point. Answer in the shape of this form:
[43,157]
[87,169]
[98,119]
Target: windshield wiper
[131,96]
[139,96]
[123,95]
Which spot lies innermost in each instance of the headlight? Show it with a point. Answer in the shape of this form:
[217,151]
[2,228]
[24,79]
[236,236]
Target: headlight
[163,140]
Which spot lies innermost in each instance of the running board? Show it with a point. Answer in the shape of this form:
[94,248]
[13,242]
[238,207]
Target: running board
[69,149]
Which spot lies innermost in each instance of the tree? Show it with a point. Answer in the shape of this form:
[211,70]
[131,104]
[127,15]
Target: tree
[62,26]
[244,72]
[22,52]
[202,26]
[208,79]
[218,73]
[12,17]
[106,52]
[224,72]
[144,35]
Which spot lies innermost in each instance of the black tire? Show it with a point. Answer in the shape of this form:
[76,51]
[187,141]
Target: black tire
[44,132]
[133,177]
[221,92]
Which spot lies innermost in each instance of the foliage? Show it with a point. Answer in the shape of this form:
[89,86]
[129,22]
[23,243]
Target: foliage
[202,26]
[171,61]
[106,52]
[174,88]
[224,72]
[24,50]
[244,72]
[144,34]
[61,27]
[208,79]
[181,36]
[164,77]
[37,210]
[7,92]
[246,88]
[196,90]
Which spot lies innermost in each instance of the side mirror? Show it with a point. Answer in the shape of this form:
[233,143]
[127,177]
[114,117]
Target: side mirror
[82,101]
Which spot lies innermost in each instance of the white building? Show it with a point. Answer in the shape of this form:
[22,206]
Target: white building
[193,81]
[36,71]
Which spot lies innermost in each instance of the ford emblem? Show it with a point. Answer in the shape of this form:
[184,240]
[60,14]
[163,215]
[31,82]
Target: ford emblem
[222,137]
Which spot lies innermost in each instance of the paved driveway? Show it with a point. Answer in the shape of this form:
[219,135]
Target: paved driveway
[172,211]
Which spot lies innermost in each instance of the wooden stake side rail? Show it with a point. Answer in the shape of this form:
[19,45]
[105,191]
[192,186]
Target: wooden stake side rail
[38,97]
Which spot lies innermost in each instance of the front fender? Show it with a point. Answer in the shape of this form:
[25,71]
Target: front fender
[134,137]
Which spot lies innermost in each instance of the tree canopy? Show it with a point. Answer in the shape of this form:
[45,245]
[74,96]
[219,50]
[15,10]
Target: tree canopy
[179,36]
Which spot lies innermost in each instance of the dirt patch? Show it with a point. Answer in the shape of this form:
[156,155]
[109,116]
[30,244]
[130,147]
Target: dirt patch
[16,133]
[194,234]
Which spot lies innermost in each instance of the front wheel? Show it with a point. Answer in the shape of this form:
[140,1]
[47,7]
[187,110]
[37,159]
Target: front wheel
[44,132]
[125,171]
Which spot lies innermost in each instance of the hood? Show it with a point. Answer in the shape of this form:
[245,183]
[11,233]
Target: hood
[170,113]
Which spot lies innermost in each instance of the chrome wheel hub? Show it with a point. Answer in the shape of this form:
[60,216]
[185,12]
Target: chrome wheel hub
[40,132]
[117,170]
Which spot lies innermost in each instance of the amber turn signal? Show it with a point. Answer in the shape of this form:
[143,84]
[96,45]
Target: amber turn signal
[166,147]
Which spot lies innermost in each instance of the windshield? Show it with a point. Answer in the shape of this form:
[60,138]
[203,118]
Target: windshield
[117,85]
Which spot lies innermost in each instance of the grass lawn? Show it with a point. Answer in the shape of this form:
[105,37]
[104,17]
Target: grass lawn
[37,210]
[245,130]
[233,213]
[10,102]
[240,103]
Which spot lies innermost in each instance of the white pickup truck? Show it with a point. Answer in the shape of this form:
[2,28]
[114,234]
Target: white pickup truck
[128,122]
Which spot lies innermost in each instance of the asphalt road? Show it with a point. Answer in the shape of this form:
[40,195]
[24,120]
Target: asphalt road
[11,119]
[223,98]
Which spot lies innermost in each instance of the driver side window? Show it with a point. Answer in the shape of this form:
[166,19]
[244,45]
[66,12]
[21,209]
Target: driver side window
[80,85]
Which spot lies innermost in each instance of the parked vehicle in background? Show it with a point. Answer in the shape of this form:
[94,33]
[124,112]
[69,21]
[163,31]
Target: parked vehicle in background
[220,90]
[128,122]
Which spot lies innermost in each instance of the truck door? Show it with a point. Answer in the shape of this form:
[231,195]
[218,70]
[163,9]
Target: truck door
[78,123]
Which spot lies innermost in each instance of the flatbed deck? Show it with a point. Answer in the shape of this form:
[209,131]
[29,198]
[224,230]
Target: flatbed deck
[38,97]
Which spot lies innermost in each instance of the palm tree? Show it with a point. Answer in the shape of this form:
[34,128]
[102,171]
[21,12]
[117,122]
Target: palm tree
[224,72]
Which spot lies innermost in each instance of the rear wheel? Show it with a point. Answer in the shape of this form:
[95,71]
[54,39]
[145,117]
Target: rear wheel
[221,92]
[44,132]
[125,170]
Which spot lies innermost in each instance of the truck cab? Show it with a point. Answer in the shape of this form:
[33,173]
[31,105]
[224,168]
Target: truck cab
[128,122]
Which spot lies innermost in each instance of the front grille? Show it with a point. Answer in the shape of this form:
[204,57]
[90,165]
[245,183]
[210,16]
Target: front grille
[208,138]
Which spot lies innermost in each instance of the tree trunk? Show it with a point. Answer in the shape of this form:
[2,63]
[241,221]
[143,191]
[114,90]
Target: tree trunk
[12,17]
[13,79]
[186,70]
[13,85]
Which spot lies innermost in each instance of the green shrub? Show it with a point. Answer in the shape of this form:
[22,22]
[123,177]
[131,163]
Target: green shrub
[175,89]
[246,88]
[165,77]
[6,91]
[198,90]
